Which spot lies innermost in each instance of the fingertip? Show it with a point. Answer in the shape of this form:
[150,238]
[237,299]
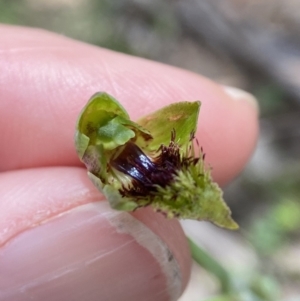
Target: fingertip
[89,253]
[170,231]
[233,132]
[84,250]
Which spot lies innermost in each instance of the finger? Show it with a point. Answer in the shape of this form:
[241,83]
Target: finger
[61,242]
[49,78]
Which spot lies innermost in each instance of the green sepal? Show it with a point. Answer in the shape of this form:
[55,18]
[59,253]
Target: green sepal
[102,127]
[105,122]
[181,117]
[118,202]
[113,196]
[82,143]
[197,197]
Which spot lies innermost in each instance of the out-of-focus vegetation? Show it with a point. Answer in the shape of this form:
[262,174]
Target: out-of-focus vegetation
[254,45]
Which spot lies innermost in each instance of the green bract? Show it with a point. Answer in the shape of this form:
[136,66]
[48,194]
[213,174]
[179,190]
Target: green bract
[149,162]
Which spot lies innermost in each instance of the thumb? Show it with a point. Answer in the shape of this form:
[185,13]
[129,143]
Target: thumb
[88,252]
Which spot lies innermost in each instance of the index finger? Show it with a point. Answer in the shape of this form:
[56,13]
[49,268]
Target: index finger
[46,80]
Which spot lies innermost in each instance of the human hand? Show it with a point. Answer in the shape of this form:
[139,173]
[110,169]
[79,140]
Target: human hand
[59,240]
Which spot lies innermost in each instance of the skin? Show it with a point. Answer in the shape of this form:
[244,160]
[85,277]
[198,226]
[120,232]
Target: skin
[58,238]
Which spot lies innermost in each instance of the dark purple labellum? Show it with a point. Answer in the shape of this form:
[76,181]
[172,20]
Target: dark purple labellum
[147,173]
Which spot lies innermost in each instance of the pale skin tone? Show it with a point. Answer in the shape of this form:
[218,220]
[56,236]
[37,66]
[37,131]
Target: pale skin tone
[53,244]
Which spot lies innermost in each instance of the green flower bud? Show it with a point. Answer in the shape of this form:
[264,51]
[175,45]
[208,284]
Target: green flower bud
[149,162]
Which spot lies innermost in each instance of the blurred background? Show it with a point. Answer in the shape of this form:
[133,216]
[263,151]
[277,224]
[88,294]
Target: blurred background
[250,44]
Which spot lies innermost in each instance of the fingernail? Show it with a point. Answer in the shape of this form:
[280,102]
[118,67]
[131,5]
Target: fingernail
[90,253]
[241,95]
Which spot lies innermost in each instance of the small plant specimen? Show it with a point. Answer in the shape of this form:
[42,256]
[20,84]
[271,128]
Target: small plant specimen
[149,162]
